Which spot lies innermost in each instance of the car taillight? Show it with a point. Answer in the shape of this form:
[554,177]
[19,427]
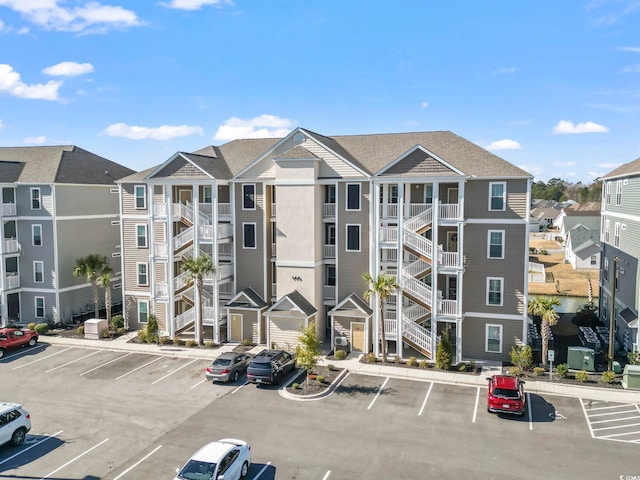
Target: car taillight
[29,416]
[224,372]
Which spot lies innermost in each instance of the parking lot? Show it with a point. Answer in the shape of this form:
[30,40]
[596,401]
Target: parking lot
[100,414]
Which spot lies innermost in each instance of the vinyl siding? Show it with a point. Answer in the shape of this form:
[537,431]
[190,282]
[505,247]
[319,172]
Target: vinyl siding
[473,338]
[132,255]
[250,263]
[23,201]
[331,166]
[85,200]
[129,200]
[284,332]
[476,200]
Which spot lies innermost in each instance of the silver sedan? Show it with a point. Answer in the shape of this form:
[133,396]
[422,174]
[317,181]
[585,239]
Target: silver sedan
[228,367]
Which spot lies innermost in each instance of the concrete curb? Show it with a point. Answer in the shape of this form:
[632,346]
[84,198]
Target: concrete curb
[316,396]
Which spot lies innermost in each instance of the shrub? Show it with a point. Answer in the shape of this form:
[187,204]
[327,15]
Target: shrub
[209,344]
[295,386]
[106,333]
[142,336]
[582,376]
[538,371]
[514,371]
[462,367]
[120,331]
[398,361]
[152,329]
[533,250]
[412,362]
[340,354]
[608,377]
[178,341]
[41,328]
[80,330]
[562,370]
[422,364]
[472,365]
[521,357]
[245,342]
[543,252]
[320,378]
[371,357]
[190,343]
[331,367]
[32,326]
[117,321]
[587,315]
[634,358]
[444,353]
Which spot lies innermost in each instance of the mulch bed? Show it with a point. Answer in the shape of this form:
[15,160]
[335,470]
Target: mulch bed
[468,369]
[314,386]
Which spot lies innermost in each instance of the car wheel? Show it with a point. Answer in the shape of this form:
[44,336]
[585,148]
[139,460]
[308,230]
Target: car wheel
[18,437]
[244,470]
[33,341]
[236,376]
[1,352]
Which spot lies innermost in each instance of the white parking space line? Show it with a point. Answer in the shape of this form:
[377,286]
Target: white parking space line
[31,446]
[174,371]
[74,459]
[39,359]
[475,409]
[37,347]
[238,388]
[424,403]
[586,416]
[106,363]
[326,475]
[262,471]
[138,462]
[617,426]
[73,361]
[199,383]
[610,413]
[378,394]
[140,367]
[529,410]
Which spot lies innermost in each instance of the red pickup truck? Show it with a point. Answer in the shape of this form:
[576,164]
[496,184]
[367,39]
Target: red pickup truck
[15,337]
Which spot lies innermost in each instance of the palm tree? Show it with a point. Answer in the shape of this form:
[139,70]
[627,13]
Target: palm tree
[196,268]
[382,287]
[542,307]
[91,267]
[104,280]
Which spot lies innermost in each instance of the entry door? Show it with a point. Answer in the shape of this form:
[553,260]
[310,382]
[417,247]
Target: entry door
[236,328]
[452,287]
[452,241]
[357,337]
[184,196]
[452,195]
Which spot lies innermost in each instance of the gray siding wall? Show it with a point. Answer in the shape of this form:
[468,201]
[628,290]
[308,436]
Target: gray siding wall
[86,200]
[351,266]
[476,200]
[132,254]
[23,200]
[474,338]
[28,307]
[29,253]
[250,263]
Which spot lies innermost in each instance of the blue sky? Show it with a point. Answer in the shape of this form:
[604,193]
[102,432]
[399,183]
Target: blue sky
[551,86]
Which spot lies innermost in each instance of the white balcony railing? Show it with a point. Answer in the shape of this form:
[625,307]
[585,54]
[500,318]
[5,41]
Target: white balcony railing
[185,318]
[159,209]
[273,249]
[416,209]
[11,245]
[224,271]
[225,231]
[205,232]
[225,288]
[224,209]
[389,210]
[329,251]
[273,209]
[329,210]
[9,209]
[11,281]
[225,249]
[329,292]
[161,250]
[183,238]
[449,210]
[389,234]
[390,327]
[449,259]
[162,290]
[448,307]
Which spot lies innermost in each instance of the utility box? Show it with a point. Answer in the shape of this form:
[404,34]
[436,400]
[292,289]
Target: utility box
[581,358]
[94,327]
[631,377]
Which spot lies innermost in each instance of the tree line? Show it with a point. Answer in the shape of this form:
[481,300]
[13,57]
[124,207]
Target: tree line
[560,190]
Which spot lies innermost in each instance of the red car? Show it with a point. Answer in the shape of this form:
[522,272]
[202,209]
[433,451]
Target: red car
[505,395]
[15,337]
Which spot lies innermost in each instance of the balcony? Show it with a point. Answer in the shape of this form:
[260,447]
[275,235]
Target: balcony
[162,290]
[11,245]
[160,210]
[9,209]
[224,272]
[389,235]
[448,307]
[160,250]
[449,211]
[329,210]
[449,259]
[273,209]
[224,210]
[11,281]
[225,231]
[389,210]
[225,250]
[329,251]
[273,250]
[329,292]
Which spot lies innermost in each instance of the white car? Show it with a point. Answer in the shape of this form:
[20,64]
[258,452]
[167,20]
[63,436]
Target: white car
[14,424]
[227,459]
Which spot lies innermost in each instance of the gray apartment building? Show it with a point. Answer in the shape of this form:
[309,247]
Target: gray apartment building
[620,242]
[292,224]
[59,203]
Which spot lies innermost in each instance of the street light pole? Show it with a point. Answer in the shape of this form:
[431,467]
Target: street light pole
[612,312]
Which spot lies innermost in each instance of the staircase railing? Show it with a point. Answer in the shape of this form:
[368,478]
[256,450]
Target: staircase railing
[418,243]
[419,336]
[419,290]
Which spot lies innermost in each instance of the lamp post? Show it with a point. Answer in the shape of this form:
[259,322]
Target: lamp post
[612,313]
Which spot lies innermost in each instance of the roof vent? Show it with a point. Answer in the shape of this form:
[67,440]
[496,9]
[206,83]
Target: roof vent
[298,138]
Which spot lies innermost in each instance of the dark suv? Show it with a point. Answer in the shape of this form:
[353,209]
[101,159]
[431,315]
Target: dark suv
[270,366]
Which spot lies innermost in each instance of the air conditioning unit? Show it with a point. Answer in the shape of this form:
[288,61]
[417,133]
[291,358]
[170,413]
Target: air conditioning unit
[341,341]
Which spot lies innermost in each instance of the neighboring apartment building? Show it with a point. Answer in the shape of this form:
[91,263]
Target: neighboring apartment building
[59,203]
[293,224]
[620,240]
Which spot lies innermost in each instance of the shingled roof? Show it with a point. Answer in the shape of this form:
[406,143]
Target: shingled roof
[58,164]
[627,169]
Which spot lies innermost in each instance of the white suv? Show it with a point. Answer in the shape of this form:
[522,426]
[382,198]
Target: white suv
[14,424]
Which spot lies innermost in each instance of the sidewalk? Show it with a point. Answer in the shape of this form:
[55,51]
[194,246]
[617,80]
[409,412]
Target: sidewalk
[352,364]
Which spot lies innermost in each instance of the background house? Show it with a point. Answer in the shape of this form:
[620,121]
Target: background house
[582,248]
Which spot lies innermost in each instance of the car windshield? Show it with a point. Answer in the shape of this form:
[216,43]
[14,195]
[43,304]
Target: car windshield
[197,470]
[221,362]
[506,393]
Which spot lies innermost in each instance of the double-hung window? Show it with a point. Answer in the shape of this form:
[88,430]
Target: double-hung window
[249,235]
[143,274]
[494,291]
[39,307]
[495,244]
[36,199]
[493,338]
[141,236]
[353,196]
[249,196]
[143,311]
[38,271]
[353,238]
[607,228]
[140,193]
[619,192]
[36,235]
[616,235]
[497,196]
[608,193]
[605,269]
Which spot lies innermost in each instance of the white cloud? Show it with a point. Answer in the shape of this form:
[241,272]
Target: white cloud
[92,17]
[35,140]
[1,125]
[195,4]
[533,169]
[69,69]
[424,104]
[504,71]
[565,126]
[609,166]
[505,144]
[629,49]
[163,132]
[264,126]
[632,68]
[11,83]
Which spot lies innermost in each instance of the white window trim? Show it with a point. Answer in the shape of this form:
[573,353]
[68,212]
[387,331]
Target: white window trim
[619,192]
[146,239]
[255,199]
[346,198]
[35,262]
[138,274]
[35,189]
[501,244]
[504,196]
[616,235]
[501,291]
[486,337]
[145,302]
[346,237]
[33,235]
[255,236]
[144,197]
[35,307]
[607,228]
[608,193]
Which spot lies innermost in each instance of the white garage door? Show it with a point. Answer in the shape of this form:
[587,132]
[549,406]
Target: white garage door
[284,332]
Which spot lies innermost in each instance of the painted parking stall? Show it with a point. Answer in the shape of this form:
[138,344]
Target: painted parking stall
[613,421]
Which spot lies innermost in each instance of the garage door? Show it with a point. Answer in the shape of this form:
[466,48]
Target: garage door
[284,332]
